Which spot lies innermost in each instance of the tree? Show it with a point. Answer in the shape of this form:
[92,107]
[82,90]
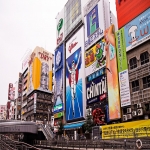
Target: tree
[61,127]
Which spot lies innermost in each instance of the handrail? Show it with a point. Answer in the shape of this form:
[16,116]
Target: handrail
[50,131]
[44,131]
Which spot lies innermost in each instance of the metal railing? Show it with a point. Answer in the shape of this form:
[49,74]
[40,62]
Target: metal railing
[8,144]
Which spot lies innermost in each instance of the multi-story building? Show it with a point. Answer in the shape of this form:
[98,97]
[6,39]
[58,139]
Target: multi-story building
[3,112]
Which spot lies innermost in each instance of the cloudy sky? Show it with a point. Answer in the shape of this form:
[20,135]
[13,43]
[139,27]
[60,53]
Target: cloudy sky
[25,24]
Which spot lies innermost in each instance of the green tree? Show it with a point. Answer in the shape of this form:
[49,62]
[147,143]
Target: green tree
[61,127]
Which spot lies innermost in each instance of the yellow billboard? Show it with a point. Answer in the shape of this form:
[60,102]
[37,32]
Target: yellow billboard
[126,130]
[40,71]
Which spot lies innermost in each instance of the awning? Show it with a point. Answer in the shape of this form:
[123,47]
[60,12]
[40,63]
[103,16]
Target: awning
[73,126]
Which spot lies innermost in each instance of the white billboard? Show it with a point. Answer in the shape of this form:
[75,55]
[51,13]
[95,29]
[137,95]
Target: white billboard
[75,77]
[96,20]
[60,28]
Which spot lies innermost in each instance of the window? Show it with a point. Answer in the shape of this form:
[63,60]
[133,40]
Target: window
[146,82]
[133,63]
[144,57]
[135,85]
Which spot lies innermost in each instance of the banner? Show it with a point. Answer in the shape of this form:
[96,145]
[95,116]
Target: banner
[123,69]
[40,71]
[112,74]
[96,90]
[58,82]
[94,22]
[75,77]
[11,92]
[138,30]
[95,58]
[126,130]
[60,28]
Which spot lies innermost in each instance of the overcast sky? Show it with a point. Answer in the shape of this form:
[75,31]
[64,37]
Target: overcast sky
[25,24]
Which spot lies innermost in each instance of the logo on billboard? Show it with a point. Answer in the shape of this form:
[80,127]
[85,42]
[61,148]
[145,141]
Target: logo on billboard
[58,58]
[59,26]
[92,21]
[72,45]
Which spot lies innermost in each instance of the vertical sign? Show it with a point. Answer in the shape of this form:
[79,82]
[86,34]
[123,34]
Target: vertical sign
[35,97]
[112,74]
[123,69]
[94,22]
[75,77]
[60,28]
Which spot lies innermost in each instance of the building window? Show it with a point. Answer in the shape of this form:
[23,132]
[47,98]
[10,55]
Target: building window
[135,85]
[144,57]
[133,63]
[146,82]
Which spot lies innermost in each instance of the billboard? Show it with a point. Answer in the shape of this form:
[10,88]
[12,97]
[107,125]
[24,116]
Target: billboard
[72,15]
[138,30]
[123,69]
[135,7]
[126,130]
[95,58]
[60,28]
[112,74]
[11,92]
[40,71]
[75,77]
[96,90]
[94,22]
[58,88]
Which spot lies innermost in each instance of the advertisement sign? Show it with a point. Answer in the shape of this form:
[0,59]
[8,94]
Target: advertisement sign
[112,74]
[60,28]
[58,115]
[94,22]
[58,82]
[75,77]
[11,92]
[40,71]
[95,58]
[123,69]
[34,106]
[127,130]
[96,90]
[72,15]
[138,30]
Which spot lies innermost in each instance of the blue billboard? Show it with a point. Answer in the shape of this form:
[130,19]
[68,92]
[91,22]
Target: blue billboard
[138,30]
[74,99]
[58,82]
[96,90]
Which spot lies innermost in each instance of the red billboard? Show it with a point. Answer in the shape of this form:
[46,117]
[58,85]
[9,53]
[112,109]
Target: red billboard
[127,10]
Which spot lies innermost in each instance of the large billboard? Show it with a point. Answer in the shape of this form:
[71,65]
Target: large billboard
[60,28]
[126,130]
[40,71]
[112,74]
[11,92]
[138,30]
[95,58]
[125,6]
[123,69]
[94,22]
[96,90]
[72,15]
[75,77]
[58,84]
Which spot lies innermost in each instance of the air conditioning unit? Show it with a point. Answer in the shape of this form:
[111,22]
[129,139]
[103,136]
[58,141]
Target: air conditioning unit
[134,113]
[125,118]
[128,110]
[139,105]
[140,112]
[129,116]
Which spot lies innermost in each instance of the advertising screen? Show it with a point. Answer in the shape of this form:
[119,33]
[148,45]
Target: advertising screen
[112,74]
[58,88]
[96,90]
[138,30]
[123,69]
[60,28]
[127,130]
[75,77]
[72,15]
[94,22]
[11,92]
[40,71]
[95,58]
